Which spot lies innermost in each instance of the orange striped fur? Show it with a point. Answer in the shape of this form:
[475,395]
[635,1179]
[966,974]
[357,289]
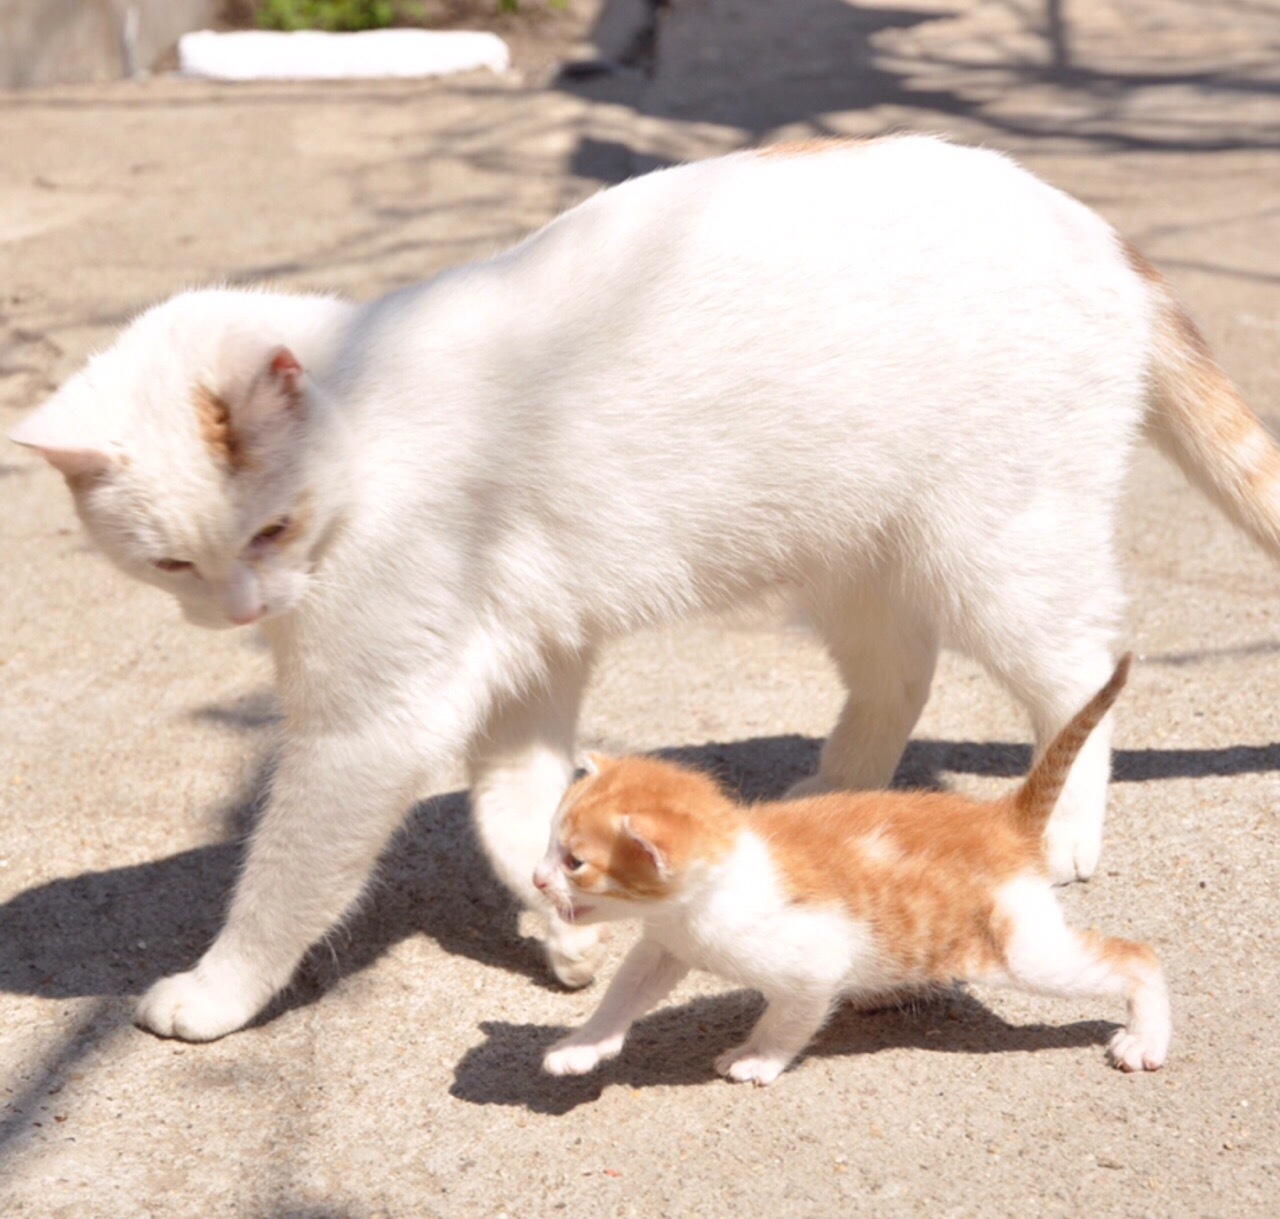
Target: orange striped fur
[669,813]
[1199,419]
[220,438]
[904,889]
[813,146]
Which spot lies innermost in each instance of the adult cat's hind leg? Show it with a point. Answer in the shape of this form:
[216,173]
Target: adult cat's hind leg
[1053,676]
[521,765]
[885,651]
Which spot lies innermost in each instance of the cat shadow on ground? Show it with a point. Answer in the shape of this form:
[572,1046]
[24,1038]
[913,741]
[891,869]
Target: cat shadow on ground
[109,934]
[1019,70]
[677,1046]
[114,932]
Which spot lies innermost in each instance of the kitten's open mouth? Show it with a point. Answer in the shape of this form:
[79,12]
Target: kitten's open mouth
[571,914]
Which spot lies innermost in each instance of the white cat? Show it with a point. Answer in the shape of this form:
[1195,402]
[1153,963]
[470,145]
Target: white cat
[898,378]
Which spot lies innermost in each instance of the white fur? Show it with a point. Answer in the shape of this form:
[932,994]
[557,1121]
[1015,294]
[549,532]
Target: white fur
[903,378]
[735,920]
[1044,954]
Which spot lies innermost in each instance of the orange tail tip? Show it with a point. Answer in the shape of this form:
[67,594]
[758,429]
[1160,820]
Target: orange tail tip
[1198,418]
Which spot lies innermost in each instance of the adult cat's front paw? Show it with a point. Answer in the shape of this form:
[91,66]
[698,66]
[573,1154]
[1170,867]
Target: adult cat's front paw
[196,1006]
[568,1057]
[746,1064]
[574,952]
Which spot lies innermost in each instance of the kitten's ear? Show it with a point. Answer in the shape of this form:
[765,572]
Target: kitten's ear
[69,442]
[641,838]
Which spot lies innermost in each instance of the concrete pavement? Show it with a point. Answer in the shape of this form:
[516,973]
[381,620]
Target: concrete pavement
[399,1077]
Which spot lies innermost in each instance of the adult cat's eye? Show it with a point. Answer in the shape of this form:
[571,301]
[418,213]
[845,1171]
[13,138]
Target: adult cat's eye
[174,564]
[270,533]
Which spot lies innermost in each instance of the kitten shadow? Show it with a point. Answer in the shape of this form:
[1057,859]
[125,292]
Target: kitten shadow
[116,931]
[678,1046]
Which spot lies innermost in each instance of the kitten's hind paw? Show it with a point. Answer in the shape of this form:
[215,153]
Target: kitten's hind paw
[573,1058]
[574,953]
[745,1064]
[193,1006]
[1133,1052]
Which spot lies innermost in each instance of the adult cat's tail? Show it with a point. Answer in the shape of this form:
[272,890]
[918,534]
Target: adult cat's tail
[1198,418]
[1040,790]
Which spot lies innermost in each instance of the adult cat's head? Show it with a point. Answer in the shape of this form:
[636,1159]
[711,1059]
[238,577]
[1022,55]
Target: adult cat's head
[634,833]
[186,446]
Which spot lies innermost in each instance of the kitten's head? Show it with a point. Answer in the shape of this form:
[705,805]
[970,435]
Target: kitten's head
[634,832]
[184,444]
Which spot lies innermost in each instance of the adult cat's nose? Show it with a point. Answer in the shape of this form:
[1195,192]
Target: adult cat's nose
[244,617]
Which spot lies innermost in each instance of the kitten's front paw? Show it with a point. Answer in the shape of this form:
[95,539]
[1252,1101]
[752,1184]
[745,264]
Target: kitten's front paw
[569,1058]
[1134,1052]
[746,1064]
[194,1006]
[574,952]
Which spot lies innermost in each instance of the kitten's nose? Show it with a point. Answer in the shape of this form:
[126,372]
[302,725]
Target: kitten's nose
[244,617]
[539,878]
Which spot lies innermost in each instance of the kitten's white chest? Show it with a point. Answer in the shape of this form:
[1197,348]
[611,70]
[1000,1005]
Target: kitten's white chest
[742,925]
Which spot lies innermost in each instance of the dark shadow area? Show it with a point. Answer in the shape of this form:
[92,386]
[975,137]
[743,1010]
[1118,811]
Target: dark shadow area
[114,932]
[677,1046]
[925,761]
[249,714]
[306,1211]
[1240,651]
[111,934]
[1019,69]
[764,767]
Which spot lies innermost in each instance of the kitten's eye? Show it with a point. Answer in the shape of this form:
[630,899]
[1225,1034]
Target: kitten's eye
[572,863]
[270,533]
[174,564]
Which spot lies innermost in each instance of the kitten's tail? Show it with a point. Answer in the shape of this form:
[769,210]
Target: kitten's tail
[1197,417]
[1040,790]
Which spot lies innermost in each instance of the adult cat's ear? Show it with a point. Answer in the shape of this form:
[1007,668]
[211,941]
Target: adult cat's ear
[643,837]
[66,439]
[284,378]
[273,388]
[259,406]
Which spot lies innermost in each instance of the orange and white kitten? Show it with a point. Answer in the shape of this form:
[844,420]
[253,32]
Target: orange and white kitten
[837,895]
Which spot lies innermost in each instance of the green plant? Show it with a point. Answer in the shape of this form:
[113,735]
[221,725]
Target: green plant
[334,15]
[338,15]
